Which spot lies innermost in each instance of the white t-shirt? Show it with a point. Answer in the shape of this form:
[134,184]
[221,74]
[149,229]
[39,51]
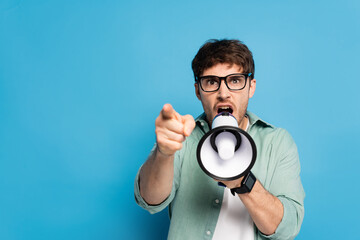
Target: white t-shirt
[234,220]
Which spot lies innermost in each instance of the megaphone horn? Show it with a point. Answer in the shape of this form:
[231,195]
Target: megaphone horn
[226,152]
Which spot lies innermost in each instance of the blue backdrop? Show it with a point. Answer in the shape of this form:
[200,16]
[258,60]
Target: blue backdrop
[81,83]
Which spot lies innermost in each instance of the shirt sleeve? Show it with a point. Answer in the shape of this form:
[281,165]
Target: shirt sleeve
[157,208]
[286,186]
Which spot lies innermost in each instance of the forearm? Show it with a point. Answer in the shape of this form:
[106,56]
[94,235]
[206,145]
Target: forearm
[156,177]
[265,209]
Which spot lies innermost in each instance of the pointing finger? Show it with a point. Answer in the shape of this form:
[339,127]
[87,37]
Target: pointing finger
[168,112]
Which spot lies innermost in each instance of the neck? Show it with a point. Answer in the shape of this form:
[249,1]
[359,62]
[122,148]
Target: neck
[244,123]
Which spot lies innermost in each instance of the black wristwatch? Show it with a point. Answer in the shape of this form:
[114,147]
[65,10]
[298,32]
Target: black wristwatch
[246,184]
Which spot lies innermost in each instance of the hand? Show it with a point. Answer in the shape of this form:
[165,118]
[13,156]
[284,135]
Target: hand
[171,130]
[232,184]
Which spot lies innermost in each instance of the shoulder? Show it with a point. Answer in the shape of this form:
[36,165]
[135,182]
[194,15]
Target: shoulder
[264,131]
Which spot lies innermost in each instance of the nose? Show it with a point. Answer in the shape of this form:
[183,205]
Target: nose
[223,92]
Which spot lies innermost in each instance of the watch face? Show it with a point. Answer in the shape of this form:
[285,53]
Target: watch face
[250,182]
[246,185]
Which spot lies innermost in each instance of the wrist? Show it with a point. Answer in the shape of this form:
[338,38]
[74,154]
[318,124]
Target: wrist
[161,154]
[246,185]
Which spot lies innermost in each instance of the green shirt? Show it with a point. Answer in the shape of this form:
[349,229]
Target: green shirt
[195,199]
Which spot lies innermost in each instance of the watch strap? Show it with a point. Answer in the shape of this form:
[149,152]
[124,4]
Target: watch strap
[246,184]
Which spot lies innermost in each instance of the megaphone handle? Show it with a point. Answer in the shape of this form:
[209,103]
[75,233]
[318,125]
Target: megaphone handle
[246,184]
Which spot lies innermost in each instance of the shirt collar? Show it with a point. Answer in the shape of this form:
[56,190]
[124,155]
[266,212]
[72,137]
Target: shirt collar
[254,119]
[201,121]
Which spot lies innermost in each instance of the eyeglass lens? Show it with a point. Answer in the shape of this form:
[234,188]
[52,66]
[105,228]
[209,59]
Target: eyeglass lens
[233,82]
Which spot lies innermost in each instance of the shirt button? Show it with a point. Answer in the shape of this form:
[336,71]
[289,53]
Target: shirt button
[217,201]
[208,233]
[202,124]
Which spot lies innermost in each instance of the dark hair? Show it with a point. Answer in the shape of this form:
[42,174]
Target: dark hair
[223,51]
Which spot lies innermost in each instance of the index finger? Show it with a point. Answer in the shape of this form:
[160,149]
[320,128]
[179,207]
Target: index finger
[168,112]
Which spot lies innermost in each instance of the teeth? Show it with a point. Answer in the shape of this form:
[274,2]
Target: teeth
[224,109]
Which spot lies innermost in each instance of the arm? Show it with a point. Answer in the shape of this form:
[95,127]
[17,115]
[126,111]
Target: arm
[278,210]
[265,209]
[156,175]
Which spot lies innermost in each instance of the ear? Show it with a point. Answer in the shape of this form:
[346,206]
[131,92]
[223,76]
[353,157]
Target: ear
[252,88]
[197,91]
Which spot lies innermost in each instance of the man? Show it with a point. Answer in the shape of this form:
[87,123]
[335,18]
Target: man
[199,207]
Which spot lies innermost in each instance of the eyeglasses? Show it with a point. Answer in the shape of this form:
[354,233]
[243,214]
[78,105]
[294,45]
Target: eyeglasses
[235,82]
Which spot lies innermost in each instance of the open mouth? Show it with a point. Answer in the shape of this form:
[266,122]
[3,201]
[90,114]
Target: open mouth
[225,109]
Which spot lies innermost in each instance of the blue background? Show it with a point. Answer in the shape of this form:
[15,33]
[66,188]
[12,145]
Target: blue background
[81,83]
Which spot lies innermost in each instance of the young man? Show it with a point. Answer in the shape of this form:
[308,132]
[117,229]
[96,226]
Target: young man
[199,208]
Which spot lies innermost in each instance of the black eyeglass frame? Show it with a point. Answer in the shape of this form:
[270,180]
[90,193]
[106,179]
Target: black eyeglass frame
[246,75]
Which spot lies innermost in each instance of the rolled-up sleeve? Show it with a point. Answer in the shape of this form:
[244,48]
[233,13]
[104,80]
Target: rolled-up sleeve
[142,203]
[157,208]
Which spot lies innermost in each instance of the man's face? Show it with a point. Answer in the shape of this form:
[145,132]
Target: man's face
[215,102]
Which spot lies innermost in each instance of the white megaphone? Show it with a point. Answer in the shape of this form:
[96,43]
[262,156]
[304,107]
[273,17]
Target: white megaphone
[226,152]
